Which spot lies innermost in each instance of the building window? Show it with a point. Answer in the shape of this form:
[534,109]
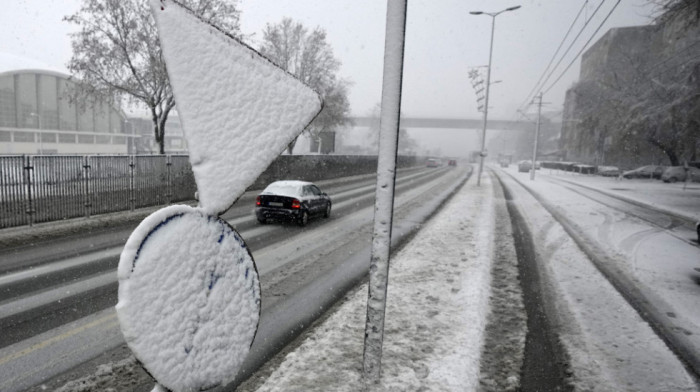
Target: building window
[48,102]
[66,109]
[26,99]
[66,138]
[48,137]
[5,136]
[101,117]
[7,101]
[86,119]
[25,137]
[101,139]
[86,139]
[115,121]
[118,140]
[175,143]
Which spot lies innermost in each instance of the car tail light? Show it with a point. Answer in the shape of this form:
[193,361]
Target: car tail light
[257,201]
[296,204]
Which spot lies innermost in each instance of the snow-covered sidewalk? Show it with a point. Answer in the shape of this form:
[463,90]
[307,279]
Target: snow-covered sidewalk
[436,313]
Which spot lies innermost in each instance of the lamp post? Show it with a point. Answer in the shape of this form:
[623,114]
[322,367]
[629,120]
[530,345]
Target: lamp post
[482,153]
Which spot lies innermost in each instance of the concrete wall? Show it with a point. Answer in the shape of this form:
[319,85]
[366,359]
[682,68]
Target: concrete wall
[324,167]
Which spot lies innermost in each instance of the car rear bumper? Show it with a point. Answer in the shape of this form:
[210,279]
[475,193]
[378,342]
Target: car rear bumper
[277,213]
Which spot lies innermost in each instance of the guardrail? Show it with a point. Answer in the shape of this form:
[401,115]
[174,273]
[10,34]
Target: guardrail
[45,188]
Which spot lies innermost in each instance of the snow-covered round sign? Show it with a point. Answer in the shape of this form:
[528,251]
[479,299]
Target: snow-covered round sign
[189,298]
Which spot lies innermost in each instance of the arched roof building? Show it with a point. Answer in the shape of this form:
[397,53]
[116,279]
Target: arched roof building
[37,116]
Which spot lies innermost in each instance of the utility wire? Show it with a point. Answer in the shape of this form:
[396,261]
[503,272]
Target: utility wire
[571,27]
[569,48]
[583,48]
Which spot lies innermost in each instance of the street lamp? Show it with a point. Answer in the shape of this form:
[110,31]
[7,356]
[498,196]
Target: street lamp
[493,16]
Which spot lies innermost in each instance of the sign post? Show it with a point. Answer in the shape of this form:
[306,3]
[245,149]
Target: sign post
[386,179]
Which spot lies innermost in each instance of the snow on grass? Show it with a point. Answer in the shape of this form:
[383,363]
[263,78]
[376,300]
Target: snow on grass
[437,304]
[238,110]
[188,296]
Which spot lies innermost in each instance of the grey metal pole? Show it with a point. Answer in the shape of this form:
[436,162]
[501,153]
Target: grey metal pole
[482,152]
[386,179]
[537,137]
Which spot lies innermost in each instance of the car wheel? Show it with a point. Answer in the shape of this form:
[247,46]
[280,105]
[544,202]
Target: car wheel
[328,211]
[303,219]
[672,180]
[262,221]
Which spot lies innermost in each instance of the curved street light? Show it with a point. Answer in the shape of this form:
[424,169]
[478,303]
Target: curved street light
[482,153]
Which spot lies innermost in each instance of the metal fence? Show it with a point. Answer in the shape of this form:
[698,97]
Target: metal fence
[46,188]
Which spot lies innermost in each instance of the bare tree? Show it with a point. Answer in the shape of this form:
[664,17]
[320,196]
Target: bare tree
[687,10]
[308,56]
[116,52]
[642,101]
[335,112]
[407,145]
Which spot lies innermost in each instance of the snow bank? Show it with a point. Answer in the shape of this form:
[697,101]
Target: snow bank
[189,298]
[437,304]
[238,110]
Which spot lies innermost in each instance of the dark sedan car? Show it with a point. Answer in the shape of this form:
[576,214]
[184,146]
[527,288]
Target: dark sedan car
[293,201]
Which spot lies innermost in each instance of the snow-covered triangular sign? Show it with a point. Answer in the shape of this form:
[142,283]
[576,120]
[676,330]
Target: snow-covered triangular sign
[189,294]
[238,110]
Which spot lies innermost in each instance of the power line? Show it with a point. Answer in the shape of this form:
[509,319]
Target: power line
[584,47]
[570,46]
[555,53]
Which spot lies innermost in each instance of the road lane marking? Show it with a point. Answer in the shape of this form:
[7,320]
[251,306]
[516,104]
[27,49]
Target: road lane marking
[24,304]
[57,338]
[52,363]
[46,269]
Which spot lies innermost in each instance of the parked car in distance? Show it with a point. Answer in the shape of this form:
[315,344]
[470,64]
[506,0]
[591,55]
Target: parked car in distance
[609,171]
[294,201]
[524,166]
[584,169]
[433,162]
[452,162]
[649,171]
[678,173]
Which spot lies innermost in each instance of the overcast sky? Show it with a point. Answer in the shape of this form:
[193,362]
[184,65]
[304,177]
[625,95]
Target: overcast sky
[442,42]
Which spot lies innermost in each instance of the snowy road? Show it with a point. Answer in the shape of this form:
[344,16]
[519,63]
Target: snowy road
[600,341]
[622,276]
[52,315]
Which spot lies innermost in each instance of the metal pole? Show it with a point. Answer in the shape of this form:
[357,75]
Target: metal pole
[28,169]
[88,202]
[537,136]
[132,199]
[41,136]
[386,179]
[482,153]
[169,191]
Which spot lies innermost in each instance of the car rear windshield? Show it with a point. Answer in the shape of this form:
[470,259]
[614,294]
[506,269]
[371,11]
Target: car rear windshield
[284,189]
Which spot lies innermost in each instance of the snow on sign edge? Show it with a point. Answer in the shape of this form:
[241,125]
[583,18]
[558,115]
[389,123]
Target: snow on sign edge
[238,110]
[152,314]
